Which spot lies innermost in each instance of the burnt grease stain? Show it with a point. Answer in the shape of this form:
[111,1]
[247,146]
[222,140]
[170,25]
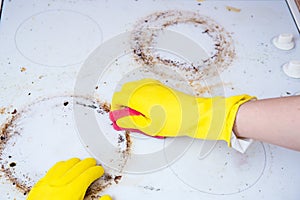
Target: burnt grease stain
[12,164]
[146,33]
[117,179]
[152,188]
[14,112]
[22,182]
[100,107]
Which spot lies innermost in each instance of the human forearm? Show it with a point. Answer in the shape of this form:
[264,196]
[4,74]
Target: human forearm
[275,121]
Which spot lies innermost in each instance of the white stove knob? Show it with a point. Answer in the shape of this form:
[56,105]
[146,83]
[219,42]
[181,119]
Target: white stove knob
[292,68]
[284,41]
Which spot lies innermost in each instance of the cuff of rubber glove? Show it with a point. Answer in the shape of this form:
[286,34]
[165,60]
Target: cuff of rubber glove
[240,144]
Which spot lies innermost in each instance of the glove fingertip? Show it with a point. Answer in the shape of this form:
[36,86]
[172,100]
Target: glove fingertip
[105,197]
[90,161]
[93,173]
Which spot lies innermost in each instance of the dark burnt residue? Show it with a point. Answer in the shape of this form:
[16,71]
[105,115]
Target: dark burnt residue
[100,107]
[146,32]
[128,142]
[93,106]
[125,154]
[14,112]
[151,188]
[22,181]
[98,186]
[121,139]
[12,164]
[107,180]
[106,107]
[93,192]
[7,168]
[117,179]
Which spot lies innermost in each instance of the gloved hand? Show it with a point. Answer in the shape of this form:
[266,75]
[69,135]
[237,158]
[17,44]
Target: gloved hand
[67,180]
[154,109]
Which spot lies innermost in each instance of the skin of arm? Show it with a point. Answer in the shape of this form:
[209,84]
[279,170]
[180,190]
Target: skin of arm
[275,121]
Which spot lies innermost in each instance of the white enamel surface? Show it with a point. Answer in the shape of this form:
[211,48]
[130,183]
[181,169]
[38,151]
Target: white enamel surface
[52,64]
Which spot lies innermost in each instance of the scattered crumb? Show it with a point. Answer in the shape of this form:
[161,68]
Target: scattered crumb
[127,136]
[2,110]
[14,111]
[117,179]
[96,88]
[107,177]
[151,188]
[12,164]
[106,107]
[66,103]
[121,139]
[233,9]
[41,76]
[23,69]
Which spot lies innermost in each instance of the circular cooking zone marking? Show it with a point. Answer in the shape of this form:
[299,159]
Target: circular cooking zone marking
[224,171]
[57,38]
[146,33]
[44,132]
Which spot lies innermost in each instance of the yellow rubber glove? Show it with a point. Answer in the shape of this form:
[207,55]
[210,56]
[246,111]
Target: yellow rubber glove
[67,180]
[105,197]
[166,112]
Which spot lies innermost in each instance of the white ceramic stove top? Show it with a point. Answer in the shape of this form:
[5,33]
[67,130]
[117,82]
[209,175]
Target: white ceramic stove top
[54,92]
